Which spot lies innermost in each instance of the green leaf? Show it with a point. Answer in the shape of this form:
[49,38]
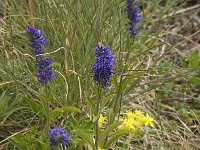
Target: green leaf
[85,136]
[110,116]
[73,122]
[130,78]
[11,111]
[41,141]
[58,111]
[115,82]
[194,80]
[71,109]
[196,114]
[90,101]
[44,99]
[194,60]
[55,64]
[34,106]
[86,125]
[19,141]
[3,102]
[115,137]
[106,100]
[43,145]
[107,131]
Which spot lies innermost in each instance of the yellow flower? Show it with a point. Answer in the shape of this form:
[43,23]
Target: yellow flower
[135,120]
[147,120]
[101,121]
[130,115]
[99,148]
[127,123]
[138,123]
[138,114]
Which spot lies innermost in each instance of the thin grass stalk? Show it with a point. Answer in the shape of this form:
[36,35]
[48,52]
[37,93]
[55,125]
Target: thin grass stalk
[118,99]
[120,96]
[159,117]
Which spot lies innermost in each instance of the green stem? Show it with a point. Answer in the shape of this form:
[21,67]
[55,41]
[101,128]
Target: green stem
[48,107]
[97,126]
[57,147]
[97,114]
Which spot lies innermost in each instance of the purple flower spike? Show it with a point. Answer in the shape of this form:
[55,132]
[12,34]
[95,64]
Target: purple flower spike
[44,70]
[102,66]
[36,38]
[134,16]
[57,134]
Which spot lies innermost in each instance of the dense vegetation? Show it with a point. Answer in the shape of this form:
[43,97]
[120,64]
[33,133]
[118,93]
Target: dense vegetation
[147,98]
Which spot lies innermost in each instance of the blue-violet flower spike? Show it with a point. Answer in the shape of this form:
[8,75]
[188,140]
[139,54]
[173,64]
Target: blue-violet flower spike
[58,135]
[134,16]
[37,39]
[44,69]
[102,66]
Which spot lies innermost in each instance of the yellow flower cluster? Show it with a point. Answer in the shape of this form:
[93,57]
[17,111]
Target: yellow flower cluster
[101,121]
[99,148]
[135,120]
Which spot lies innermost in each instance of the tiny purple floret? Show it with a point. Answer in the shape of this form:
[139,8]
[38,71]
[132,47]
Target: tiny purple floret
[37,39]
[60,133]
[102,66]
[44,69]
[134,16]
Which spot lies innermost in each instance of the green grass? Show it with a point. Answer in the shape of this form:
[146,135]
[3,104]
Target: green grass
[158,70]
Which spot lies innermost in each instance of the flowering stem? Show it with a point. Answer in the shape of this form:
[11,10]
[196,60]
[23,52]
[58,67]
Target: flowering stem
[96,125]
[47,106]
[101,70]
[58,147]
[97,114]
